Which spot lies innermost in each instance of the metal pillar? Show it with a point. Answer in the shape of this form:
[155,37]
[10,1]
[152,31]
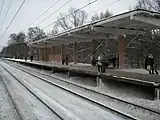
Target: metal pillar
[46,56]
[39,53]
[74,53]
[52,52]
[93,47]
[62,51]
[121,52]
[30,51]
[44,53]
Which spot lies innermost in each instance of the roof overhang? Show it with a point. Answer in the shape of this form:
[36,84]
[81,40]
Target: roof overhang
[133,22]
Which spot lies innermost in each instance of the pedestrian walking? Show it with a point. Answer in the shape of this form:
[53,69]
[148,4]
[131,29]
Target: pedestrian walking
[100,63]
[149,63]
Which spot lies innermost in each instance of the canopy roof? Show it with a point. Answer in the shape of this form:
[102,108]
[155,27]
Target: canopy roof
[133,22]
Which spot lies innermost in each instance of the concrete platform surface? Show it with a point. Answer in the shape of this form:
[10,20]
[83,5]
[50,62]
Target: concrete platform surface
[140,74]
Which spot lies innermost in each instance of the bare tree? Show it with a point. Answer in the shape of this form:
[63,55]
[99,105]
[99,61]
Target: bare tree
[35,33]
[95,17]
[21,37]
[13,38]
[150,42]
[102,15]
[148,5]
[53,32]
[76,18]
[63,22]
[16,38]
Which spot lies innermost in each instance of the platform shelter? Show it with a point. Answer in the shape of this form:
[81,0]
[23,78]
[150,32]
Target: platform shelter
[129,23]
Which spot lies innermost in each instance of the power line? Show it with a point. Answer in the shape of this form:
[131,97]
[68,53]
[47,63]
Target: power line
[54,12]
[106,5]
[13,19]
[1,7]
[6,14]
[71,13]
[43,13]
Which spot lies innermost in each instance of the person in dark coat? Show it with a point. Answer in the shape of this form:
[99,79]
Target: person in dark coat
[104,62]
[99,62]
[63,60]
[25,58]
[66,60]
[31,58]
[113,60]
[93,60]
[150,62]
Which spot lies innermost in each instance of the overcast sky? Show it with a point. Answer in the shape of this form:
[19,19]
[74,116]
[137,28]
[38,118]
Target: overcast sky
[33,8]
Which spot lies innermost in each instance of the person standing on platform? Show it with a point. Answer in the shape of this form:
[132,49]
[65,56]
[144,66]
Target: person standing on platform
[66,60]
[104,62]
[100,62]
[31,58]
[25,58]
[113,61]
[117,61]
[150,62]
[93,60]
[63,60]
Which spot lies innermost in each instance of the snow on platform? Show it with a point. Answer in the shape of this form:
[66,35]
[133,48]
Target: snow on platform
[140,74]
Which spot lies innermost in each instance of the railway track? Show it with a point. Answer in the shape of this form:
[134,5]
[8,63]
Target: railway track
[60,116]
[34,72]
[25,69]
[12,101]
[126,116]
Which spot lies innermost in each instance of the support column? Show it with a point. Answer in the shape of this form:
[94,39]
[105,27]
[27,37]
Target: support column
[157,94]
[93,53]
[74,53]
[62,52]
[30,51]
[45,59]
[42,54]
[46,56]
[38,53]
[93,47]
[121,52]
[52,52]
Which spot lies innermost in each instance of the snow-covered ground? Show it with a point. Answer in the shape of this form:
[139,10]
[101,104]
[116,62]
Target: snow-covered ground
[79,107]
[141,71]
[85,65]
[89,83]
[109,91]
[129,109]
[30,108]
[7,110]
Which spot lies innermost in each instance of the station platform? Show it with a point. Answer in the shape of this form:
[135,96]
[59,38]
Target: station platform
[138,79]
[140,74]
